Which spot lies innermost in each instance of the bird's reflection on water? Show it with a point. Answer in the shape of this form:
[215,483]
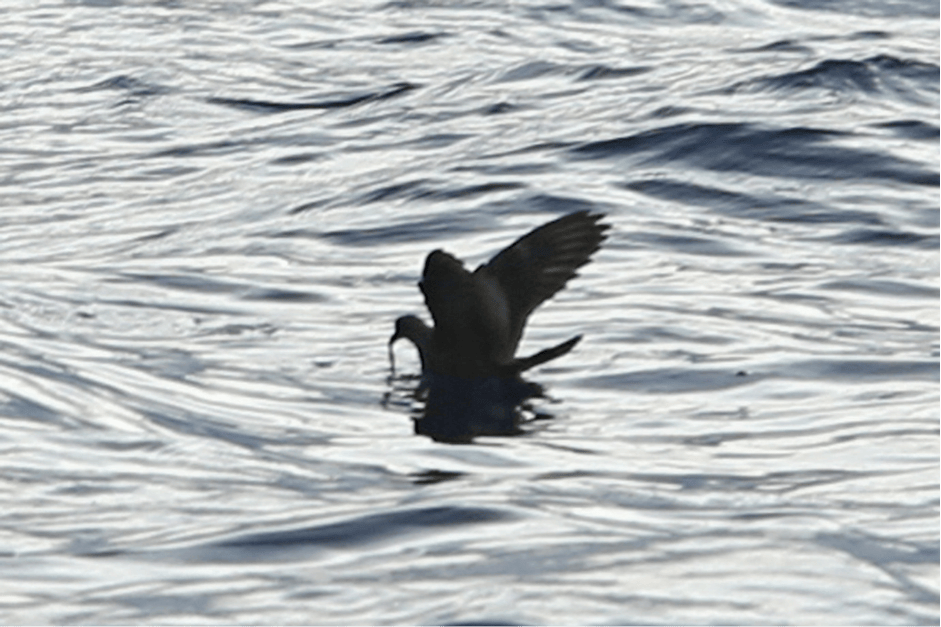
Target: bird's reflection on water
[456,409]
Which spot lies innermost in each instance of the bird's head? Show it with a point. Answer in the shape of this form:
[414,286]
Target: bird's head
[411,328]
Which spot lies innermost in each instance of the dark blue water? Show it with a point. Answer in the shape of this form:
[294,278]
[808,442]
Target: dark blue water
[212,215]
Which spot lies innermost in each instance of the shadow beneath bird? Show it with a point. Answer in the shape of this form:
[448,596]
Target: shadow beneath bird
[471,383]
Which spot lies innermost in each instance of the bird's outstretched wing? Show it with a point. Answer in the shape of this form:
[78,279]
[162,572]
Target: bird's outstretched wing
[539,264]
[448,288]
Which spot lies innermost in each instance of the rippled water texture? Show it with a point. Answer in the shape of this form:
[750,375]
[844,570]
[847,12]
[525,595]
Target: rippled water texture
[214,212]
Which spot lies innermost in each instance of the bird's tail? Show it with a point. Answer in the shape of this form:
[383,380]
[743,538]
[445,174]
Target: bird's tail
[525,363]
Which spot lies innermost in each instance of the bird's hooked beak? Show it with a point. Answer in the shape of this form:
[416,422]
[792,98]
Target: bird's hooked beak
[395,336]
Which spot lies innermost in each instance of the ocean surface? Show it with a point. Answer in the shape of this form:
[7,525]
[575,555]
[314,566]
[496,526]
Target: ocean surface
[212,213]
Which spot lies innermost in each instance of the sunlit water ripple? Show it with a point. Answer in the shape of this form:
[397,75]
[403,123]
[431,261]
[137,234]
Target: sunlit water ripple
[213,213]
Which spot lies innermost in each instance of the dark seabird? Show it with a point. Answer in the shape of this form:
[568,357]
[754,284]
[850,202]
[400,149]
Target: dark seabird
[469,365]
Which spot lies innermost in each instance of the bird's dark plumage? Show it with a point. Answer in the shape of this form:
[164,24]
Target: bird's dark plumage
[479,316]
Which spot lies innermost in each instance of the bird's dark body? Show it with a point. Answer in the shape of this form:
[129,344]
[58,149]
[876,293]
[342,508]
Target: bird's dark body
[469,363]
